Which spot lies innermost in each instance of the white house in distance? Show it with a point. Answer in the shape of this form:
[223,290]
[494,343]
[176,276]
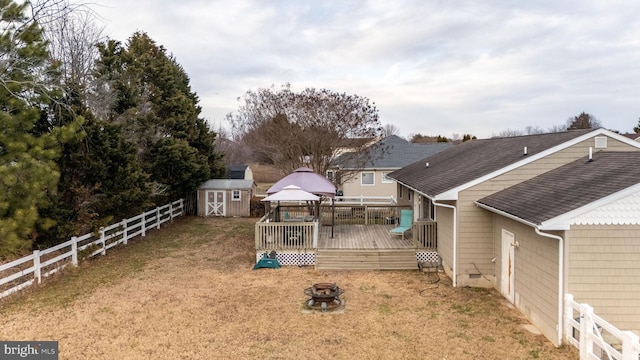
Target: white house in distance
[391,153]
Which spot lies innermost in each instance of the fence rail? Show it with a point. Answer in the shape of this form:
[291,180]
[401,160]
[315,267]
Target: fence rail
[594,337]
[21,273]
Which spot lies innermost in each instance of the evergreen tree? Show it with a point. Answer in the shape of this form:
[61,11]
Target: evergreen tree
[29,144]
[159,113]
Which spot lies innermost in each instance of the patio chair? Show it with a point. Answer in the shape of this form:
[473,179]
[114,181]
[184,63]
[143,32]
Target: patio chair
[406,220]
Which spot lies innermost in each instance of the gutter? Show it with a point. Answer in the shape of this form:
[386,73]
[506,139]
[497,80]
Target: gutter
[536,228]
[455,229]
[560,280]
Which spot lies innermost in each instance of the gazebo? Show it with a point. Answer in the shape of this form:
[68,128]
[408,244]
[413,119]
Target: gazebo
[305,179]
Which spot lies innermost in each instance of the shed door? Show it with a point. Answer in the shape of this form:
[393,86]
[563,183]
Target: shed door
[216,203]
[507,283]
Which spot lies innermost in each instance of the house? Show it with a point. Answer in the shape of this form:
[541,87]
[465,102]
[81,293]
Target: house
[225,197]
[239,172]
[369,178]
[534,218]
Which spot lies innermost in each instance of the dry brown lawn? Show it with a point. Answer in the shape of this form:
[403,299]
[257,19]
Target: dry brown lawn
[188,291]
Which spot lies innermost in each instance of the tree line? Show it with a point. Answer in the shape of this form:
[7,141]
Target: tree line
[91,130]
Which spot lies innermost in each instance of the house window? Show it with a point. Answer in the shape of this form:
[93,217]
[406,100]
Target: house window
[428,208]
[601,142]
[330,175]
[385,178]
[409,194]
[235,195]
[400,191]
[367,178]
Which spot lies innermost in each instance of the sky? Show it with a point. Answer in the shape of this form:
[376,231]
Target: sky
[430,67]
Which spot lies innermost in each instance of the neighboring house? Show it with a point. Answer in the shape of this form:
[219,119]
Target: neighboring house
[633,136]
[225,197]
[239,172]
[532,217]
[389,154]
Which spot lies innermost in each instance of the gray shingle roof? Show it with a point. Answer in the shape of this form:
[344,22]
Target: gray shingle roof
[473,159]
[568,187]
[393,152]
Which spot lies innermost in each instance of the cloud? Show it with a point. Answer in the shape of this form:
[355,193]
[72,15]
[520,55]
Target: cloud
[445,67]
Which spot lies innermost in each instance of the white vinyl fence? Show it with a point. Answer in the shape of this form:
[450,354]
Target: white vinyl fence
[21,273]
[596,338]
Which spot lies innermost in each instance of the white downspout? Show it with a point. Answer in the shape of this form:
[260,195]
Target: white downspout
[560,280]
[455,241]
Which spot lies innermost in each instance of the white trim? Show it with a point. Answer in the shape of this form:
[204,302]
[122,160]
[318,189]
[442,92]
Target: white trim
[452,194]
[384,179]
[233,193]
[600,142]
[563,221]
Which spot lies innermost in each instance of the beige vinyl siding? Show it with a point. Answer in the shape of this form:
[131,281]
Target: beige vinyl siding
[353,187]
[536,274]
[232,208]
[475,243]
[444,218]
[238,208]
[604,268]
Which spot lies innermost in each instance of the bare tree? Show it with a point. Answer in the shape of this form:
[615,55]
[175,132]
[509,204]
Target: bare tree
[390,129]
[291,129]
[509,133]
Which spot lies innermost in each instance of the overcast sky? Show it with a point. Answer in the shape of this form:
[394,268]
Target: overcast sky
[431,67]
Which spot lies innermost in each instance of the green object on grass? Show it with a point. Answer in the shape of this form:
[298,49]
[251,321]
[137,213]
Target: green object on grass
[267,262]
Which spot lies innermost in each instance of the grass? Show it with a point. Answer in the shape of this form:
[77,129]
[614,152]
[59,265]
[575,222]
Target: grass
[188,291]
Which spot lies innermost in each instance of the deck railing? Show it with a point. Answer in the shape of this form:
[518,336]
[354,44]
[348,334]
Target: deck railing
[425,234]
[290,235]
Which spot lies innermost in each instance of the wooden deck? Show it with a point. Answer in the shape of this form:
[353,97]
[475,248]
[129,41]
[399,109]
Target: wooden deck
[362,237]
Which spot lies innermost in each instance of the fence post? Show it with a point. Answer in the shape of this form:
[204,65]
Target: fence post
[74,251]
[568,314]
[171,212]
[125,236]
[366,215]
[586,329]
[158,217]
[143,223]
[104,242]
[628,346]
[36,266]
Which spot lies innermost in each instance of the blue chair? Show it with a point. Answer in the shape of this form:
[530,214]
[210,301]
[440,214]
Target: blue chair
[406,220]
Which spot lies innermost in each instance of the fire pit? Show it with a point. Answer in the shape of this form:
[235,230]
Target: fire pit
[324,296]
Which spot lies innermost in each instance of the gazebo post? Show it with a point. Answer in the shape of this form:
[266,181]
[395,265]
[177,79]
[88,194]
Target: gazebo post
[333,214]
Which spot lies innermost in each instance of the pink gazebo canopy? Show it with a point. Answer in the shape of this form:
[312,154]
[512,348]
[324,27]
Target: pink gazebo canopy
[307,180]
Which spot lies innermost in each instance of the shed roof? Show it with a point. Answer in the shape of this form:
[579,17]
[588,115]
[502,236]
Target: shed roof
[392,152]
[568,187]
[227,184]
[474,159]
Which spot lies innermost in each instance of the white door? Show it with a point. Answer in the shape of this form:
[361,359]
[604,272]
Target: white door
[507,283]
[216,202]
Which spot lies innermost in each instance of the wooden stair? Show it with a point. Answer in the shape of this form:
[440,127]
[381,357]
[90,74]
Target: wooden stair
[366,259]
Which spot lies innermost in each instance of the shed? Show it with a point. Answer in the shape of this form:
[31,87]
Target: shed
[225,197]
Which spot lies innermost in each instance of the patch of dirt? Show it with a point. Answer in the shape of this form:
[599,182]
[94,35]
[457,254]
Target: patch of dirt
[206,302]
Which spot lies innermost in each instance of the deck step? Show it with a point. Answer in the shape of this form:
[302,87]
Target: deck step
[366,259]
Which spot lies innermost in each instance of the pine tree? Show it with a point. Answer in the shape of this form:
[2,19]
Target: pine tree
[29,145]
[159,113]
